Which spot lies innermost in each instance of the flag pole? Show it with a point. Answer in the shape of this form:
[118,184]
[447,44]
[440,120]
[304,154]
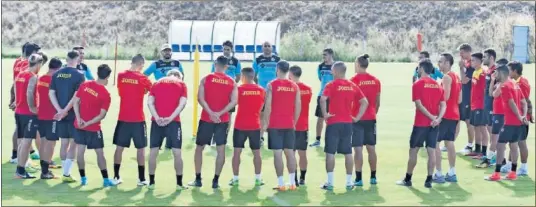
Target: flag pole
[196,88]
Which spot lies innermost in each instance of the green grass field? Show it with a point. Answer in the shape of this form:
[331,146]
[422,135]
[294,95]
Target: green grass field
[394,128]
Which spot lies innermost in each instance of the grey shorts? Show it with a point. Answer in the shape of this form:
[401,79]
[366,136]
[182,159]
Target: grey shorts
[281,139]
[338,138]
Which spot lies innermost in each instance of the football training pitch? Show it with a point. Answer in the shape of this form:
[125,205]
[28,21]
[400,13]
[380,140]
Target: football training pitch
[395,119]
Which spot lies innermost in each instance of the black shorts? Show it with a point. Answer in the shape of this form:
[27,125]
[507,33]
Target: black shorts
[421,135]
[27,126]
[65,129]
[364,133]
[478,118]
[498,123]
[93,140]
[172,132]
[524,132]
[489,118]
[465,111]
[510,134]
[208,131]
[301,140]
[318,111]
[47,130]
[338,138]
[240,137]
[281,139]
[447,130]
[127,131]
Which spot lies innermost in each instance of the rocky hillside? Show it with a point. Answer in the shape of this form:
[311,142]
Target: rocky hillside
[60,24]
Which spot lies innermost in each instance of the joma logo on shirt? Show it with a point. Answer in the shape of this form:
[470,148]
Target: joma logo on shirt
[41,83]
[344,88]
[129,81]
[91,91]
[251,93]
[305,92]
[220,81]
[284,88]
[64,75]
[367,82]
[168,81]
[431,85]
[22,80]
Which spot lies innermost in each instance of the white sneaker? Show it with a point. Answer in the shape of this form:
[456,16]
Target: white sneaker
[506,168]
[13,161]
[443,149]
[117,181]
[522,171]
[143,183]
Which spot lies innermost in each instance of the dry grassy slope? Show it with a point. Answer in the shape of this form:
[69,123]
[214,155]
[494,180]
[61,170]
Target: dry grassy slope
[59,24]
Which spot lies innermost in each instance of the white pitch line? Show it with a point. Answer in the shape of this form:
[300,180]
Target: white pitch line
[274,198]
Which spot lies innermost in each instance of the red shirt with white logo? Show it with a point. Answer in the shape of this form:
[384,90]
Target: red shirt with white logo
[218,90]
[342,95]
[132,87]
[45,109]
[371,87]
[305,96]
[250,102]
[21,87]
[478,89]
[283,102]
[511,91]
[93,98]
[430,93]
[167,93]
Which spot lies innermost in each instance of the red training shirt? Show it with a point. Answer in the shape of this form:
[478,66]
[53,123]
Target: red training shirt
[19,66]
[93,97]
[283,101]
[250,102]
[371,87]
[218,90]
[430,93]
[132,87]
[342,94]
[167,93]
[45,109]
[21,86]
[453,110]
[305,97]
[478,89]
[524,85]
[511,91]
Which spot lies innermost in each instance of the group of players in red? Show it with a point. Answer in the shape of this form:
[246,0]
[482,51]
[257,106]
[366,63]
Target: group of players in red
[61,104]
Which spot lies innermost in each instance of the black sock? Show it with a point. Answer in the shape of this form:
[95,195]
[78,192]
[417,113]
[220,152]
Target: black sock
[151,179]
[373,174]
[296,177]
[514,167]
[32,151]
[428,178]
[262,138]
[504,162]
[498,167]
[478,148]
[44,167]
[408,177]
[104,173]
[179,180]
[116,170]
[302,175]
[317,138]
[14,154]
[198,176]
[358,176]
[21,170]
[484,151]
[141,172]
[216,178]
[82,172]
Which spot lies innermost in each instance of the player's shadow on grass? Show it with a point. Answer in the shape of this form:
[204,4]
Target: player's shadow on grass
[243,198]
[432,197]
[453,192]
[204,199]
[522,187]
[115,196]
[357,196]
[42,192]
[294,198]
[149,198]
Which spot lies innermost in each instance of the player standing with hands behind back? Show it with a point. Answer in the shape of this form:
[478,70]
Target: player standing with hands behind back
[281,113]
[430,108]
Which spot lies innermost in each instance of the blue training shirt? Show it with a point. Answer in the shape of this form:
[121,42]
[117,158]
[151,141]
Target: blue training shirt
[160,68]
[234,68]
[66,82]
[324,75]
[436,75]
[265,68]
